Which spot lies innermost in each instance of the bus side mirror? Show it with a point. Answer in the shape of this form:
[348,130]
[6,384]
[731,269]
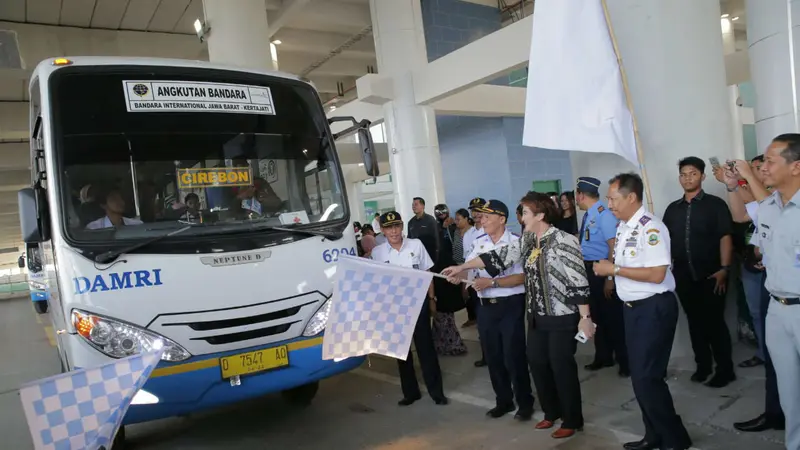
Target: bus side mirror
[32,218]
[368,155]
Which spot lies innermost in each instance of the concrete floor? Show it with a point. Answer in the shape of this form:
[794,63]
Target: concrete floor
[359,411]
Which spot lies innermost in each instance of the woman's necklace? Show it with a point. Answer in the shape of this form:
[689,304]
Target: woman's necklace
[536,251]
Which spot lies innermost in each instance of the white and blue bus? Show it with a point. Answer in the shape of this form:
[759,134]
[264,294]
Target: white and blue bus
[192,206]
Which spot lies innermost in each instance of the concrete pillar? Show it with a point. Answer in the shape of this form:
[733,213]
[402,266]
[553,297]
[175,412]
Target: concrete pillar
[238,35]
[410,129]
[773,40]
[355,200]
[673,55]
[728,47]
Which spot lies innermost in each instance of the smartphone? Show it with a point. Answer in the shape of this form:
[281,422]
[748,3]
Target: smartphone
[714,162]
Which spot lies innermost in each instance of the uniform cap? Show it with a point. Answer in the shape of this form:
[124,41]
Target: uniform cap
[589,185]
[476,202]
[494,207]
[390,218]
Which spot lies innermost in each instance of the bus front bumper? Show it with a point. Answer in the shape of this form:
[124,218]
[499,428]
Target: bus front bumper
[197,384]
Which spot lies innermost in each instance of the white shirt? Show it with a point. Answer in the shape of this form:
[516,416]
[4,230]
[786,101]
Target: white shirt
[484,244]
[469,239]
[752,212]
[105,222]
[412,254]
[376,225]
[642,241]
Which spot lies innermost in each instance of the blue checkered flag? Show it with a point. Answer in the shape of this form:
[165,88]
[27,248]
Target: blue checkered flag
[83,409]
[374,309]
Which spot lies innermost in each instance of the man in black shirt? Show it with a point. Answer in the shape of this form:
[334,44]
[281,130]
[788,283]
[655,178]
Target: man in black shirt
[425,228]
[701,227]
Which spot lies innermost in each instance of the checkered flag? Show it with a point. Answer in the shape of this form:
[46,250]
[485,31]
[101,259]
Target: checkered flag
[374,309]
[83,409]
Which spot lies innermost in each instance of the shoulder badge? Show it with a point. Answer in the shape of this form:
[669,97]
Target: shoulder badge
[652,239]
[653,230]
[600,208]
[644,220]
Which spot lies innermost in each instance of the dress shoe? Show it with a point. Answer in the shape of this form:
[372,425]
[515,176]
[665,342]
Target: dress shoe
[755,361]
[523,415]
[544,425]
[480,363]
[701,376]
[468,323]
[441,400]
[640,445]
[500,411]
[563,433]
[759,424]
[720,380]
[408,400]
[597,366]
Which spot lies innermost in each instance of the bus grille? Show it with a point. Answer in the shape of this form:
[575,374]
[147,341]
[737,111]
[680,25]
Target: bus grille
[212,331]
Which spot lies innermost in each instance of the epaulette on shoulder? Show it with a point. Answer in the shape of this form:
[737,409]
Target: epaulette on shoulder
[600,208]
[644,220]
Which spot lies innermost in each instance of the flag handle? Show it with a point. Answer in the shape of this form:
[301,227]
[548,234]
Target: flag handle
[637,139]
[467,282]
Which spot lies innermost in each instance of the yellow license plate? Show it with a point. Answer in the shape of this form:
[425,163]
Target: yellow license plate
[254,362]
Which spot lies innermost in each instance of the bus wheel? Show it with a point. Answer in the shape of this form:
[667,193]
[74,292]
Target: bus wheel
[40,307]
[119,439]
[301,395]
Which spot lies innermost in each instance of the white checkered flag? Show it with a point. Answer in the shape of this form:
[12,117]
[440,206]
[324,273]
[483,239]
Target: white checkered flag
[83,409]
[374,309]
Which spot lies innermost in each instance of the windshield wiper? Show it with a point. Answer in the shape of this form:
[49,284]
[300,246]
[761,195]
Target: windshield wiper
[332,235]
[111,255]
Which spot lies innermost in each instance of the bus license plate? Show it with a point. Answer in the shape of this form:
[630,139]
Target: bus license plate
[254,362]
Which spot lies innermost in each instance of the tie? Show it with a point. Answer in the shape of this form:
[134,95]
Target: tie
[583,225]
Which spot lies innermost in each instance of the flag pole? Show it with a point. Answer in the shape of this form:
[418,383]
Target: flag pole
[637,139]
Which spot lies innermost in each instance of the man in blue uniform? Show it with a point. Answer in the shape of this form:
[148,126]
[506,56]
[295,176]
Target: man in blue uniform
[597,235]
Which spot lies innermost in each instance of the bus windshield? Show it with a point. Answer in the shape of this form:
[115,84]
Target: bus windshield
[145,150]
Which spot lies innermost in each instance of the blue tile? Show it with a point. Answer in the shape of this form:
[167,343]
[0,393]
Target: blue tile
[452,35]
[460,22]
[441,19]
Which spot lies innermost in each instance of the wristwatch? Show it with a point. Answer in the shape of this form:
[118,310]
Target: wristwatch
[732,190]
[495,283]
[586,317]
[726,268]
[616,269]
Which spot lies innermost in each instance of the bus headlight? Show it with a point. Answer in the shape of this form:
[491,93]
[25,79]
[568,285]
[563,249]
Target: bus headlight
[119,340]
[319,320]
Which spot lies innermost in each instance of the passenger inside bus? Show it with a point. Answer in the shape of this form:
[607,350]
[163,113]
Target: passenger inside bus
[114,206]
[260,199]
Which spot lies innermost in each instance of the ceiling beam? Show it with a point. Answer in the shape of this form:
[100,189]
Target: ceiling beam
[331,13]
[338,67]
[321,43]
[290,9]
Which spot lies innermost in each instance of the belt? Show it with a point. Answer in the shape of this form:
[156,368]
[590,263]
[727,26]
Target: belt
[495,300]
[635,303]
[787,301]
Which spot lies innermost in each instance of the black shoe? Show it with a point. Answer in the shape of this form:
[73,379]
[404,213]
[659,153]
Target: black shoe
[408,401]
[720,380]
[755,361]
[759,424]
[480,363]
[701,376]
[500,411]
[597,366]
[640,445]
[624,372]
[441,400]
[523,415]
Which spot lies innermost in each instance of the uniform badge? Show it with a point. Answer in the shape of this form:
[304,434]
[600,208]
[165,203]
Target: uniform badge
[635,233]
[644,220]
[587,235]
[653,230]
[653,239]
[600,209]
[412,254]
[633,253]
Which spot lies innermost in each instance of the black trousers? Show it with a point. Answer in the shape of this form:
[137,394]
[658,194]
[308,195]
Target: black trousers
[472,304]
[551,355]
[423,341]
[609,339]
[705,312]
[650,329]
[502,328]
[772,403]
[476,304]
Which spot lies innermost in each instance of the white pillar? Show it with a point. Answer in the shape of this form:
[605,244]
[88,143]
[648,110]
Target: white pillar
[411,129]
[672,52]
[728,47]
[238,35]
[355,200]
[773,39]
[728,36]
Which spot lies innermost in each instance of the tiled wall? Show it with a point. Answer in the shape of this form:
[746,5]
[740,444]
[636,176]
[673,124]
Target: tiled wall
[483,156]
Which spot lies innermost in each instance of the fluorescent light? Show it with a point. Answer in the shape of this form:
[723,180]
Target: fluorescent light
[198,26]
[725,16]
[735,18]
[277,42]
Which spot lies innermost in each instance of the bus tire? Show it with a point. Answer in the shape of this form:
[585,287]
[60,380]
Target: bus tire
[301,395]
[40,306]
[119,439]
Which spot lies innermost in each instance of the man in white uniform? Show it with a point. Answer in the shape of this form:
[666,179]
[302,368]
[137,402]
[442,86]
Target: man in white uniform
[407,252]
[645,284]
